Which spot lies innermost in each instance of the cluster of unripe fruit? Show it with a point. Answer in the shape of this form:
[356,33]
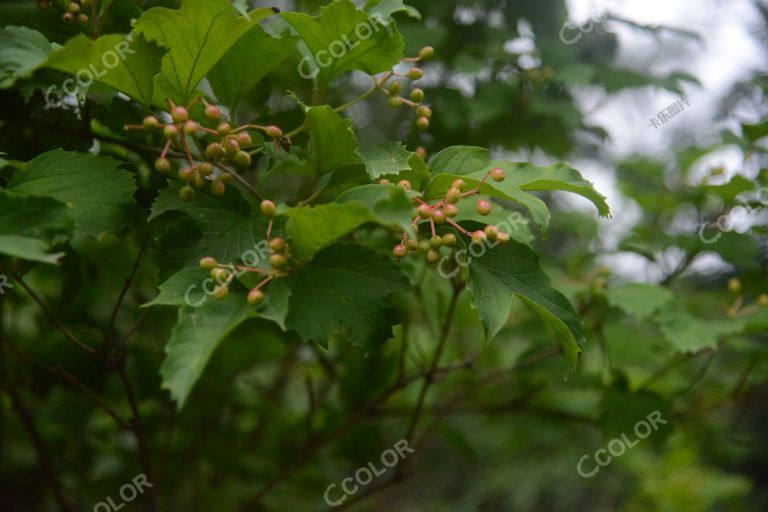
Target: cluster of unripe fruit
[279,262]
[442,212]
[72,10]
[396,100]
[226,146]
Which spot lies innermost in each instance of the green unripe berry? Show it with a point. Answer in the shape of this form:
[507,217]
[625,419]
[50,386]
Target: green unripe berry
[415,73]
[170,131]
[208,263]
[404,184]
[424,245]
[492,232]
[213,112]
[244,139]
[483,207]
[224,128]
[762,300]
[277,245]
[417,95]
[450,210]
[453,195]
[214,150]
[218,188]
[186,174]
[43,4]
[163,165]
[478,237]
[498,174]
[436,242]
[219,274]
[220,291]
[433,256]
[503,237]
[449,239]
[82,19]
[150,123]
[74,7]
[734,285]
[226,178]
[422,123]
[395,101]
[422,152]
[459,184]
[197,179]
[438,216]
[424,211]
[255,297]
[400,251]
[273,132]
[179,114]
[231,146]
[278,261]
[394,88]
[186,192]
[411,244]
[427,53]
[191,127]
[424,111]
[205,168]
[243,159]
[268,208]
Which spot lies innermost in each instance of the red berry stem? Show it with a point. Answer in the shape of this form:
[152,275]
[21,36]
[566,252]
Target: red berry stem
[432,225]
[166,148]
[449,221]
[269,230]
[265,281]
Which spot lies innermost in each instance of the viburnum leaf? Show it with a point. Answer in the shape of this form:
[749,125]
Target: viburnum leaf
[390,204]
[125,63]
[96,191]
[344,38]
[513,268]
[392,161]
[459,160]
[196,36]
[22,50]
[344,292]
[688,333]
[332,143]
[639,300]
[30,225]
[248,61]
[389,7]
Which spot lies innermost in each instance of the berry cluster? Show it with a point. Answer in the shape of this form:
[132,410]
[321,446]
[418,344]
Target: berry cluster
[73,11]
[210,151]
[279,262]
[443,212]
[396,100]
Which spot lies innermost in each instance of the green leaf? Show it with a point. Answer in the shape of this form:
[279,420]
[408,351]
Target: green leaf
[639,300]
[30,226]
[95,190]
[344,38]
[196,36]
[126,64]
[198,332]
[393,161]
[688,333]
[22,50]
[344,292]
[246,63]
[386,8]
[459,160]
[390,204]
[513,268]
[332,143]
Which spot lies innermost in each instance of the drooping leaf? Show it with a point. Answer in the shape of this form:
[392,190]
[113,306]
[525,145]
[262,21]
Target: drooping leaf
[688,333]
[639,300]
[196,36]
[344,38]
[390,204]
[391,160]
[22,50]
[127,64]
[332,143]
[248,61]
[95,190]
[344,291]
[513,268]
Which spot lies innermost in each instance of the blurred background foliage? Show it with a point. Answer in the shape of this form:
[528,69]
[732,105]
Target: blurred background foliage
[685,344]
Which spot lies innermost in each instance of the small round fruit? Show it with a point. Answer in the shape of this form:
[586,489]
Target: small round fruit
[186,192]
[255,297]
[436,242]
[74,7]
[225,177]
[394,88]
[483,207]
[422,152]
[433,256]
[218,188]
[404,184]
[411,244]
[503,237]
[268,208]
[197,179]
[478,237]
[395,101]
[438,216]
[179,114]
[243,159]
[424,111]
[400,251]
[459,184]
[273,132]
[231,146]
[220,291]
[224,128]
[43,4]
[734,285]
[453,195]
[762,299]
[68,17]
[427,52]
[186,174]
[492,232]
[422,123]
[449,239]
[214,150]
[417,95]
[498,174]
[244,139]
[163,165]
[83,19]
[219,274]
[277,245]
[191,127]
[150,123]
[423,245]
[450,210]
[278,261]
[205,168]
[424,211]
[208,263]
[213,112]
[384,181]
[170,131]
[415,73]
